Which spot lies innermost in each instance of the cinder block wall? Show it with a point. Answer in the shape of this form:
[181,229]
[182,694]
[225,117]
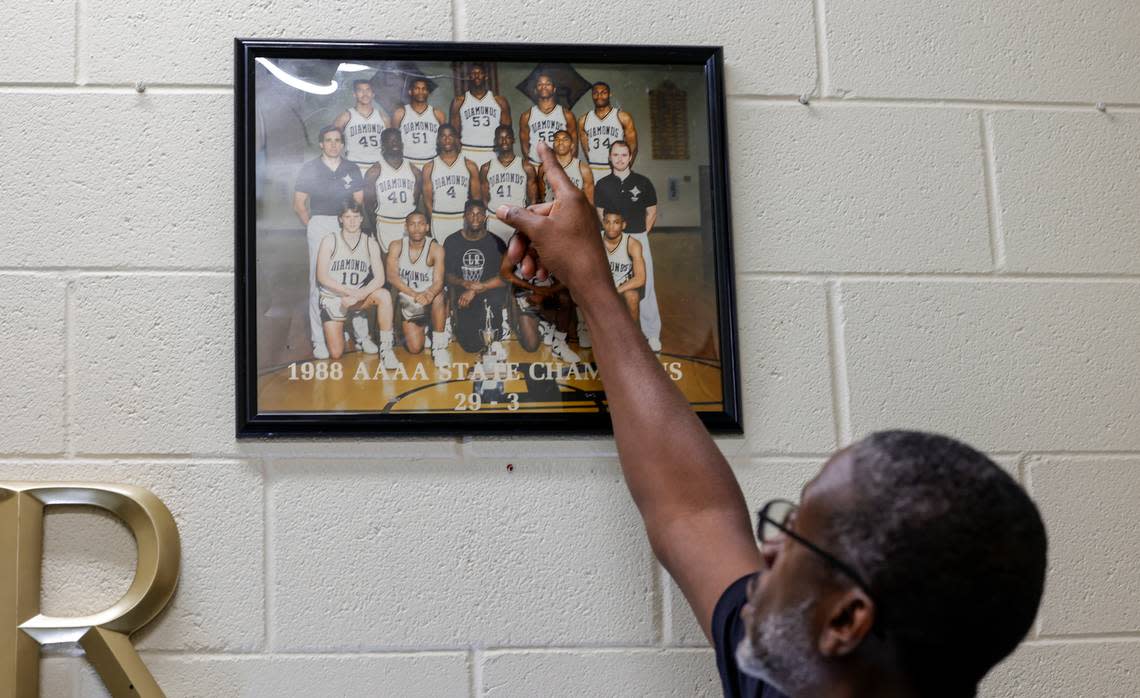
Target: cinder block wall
[948,238]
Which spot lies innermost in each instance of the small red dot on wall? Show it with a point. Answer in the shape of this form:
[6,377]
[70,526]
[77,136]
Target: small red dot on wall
[510,467]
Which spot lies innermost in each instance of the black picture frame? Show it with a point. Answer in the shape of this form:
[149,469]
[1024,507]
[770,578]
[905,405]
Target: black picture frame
[252,423]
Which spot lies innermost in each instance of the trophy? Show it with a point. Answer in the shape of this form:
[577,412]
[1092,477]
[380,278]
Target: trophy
[490,387]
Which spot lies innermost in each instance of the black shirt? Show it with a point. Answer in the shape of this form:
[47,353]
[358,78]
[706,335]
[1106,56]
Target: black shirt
[727,632]
[328,189]
[630,196]
[473,260]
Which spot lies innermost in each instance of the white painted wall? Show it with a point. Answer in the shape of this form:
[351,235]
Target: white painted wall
[947,238]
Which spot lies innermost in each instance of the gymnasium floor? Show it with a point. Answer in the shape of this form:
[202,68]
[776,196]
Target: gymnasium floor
[293,382]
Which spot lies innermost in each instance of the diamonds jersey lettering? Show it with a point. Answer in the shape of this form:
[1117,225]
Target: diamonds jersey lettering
[621,264]
[350,265]
[506,183]
[362,136]
[479,118]
[395,191]
[416,273]
[543,126]
[419,129]
[450,185]
[600,133]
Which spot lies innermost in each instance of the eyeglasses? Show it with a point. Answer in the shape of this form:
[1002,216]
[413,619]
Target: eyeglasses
[774,521]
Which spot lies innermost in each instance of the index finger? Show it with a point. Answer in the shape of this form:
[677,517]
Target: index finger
[556,177]
[516,248]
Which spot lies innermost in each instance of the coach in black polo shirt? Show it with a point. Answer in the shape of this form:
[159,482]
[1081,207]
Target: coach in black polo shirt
[633,195]
[322,186]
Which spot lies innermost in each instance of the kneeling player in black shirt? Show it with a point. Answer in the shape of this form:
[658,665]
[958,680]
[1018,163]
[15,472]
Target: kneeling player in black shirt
[471,260]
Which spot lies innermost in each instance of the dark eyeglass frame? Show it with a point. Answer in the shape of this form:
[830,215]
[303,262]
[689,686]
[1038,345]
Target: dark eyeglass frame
[762,517]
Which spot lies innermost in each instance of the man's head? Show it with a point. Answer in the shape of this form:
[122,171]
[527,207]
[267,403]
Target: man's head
[477,77]
[419,91]
[474,216]
[504,139]
[949,553]
[544,86]
[562,143]
[416,225]
[362,90]
[600,93]
[391,144]
[613,223]
[447,139]
[350,216]
[619,156]
[331,141]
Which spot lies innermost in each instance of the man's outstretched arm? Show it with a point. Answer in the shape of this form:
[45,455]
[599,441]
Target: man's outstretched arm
[694,513]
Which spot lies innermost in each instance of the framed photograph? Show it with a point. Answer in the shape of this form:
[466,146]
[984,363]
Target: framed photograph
[372,296]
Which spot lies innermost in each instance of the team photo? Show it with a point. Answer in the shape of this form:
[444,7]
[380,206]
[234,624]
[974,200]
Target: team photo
[383,282]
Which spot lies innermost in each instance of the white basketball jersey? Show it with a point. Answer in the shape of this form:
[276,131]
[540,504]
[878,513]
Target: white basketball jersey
[395,191]
[450,185]
[573,170]
[349,265]
[506,184]
[600,133]
[362,136]
[416,274]
[621,264]
[479,118]
[419,131]
[543,127]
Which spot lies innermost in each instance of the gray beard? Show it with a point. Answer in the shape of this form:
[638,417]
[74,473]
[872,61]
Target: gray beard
[783,657]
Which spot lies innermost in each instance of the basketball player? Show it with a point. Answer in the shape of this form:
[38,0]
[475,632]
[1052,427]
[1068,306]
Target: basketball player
[547,117]
[362,125]
[602,126]
[542,311]
[350,271]
[392,189]
[626,262]
[507,179]
[415,271]
[578,172]
[633,195]
[472,260]
[448,182]
[477,114]
[419,123]
[322,187]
